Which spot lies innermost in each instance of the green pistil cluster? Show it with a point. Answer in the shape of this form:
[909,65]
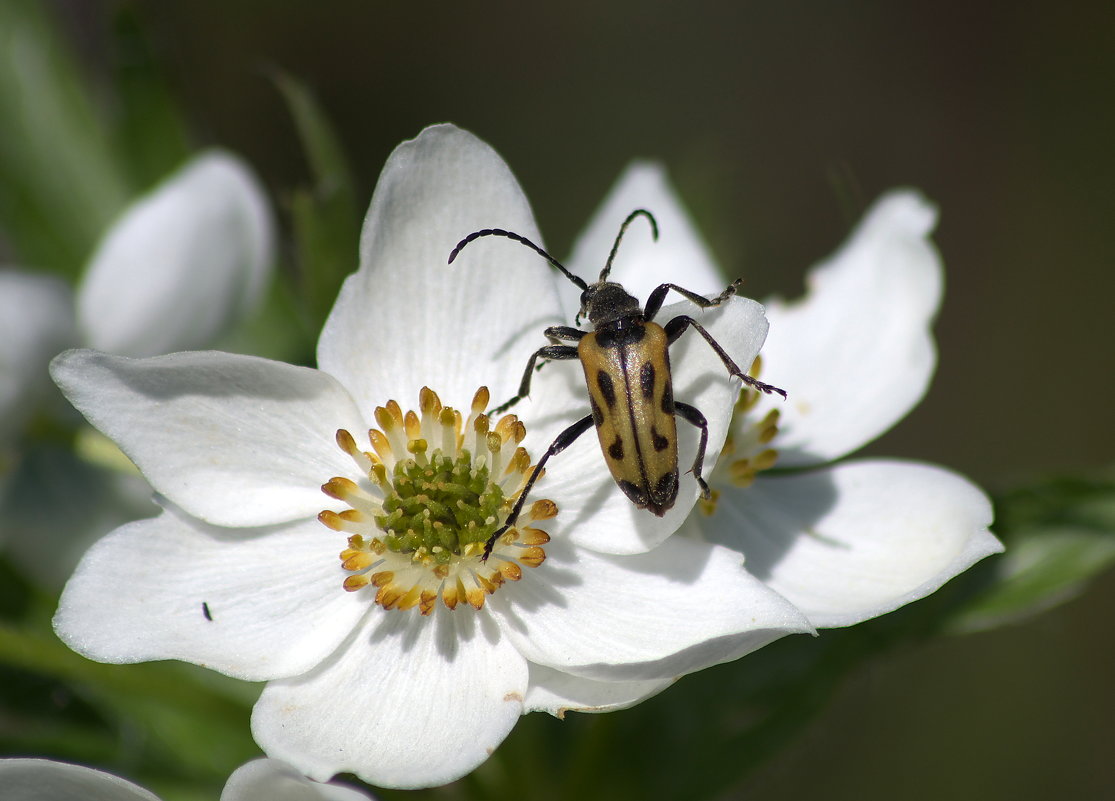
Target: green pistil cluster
[439,507]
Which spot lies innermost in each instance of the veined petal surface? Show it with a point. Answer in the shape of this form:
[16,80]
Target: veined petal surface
[852,541]
[405,702]
[407,318]
[857,353]
[256,604]
[682,607]
[234,440]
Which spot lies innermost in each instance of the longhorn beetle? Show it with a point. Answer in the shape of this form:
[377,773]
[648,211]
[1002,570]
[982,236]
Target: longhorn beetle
[626,361]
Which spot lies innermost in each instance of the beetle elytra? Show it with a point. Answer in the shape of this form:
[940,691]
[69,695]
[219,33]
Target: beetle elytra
[626,362]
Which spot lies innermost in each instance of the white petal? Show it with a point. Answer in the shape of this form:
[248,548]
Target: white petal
[641,264]
[409,319]
[682,607]
[856,354]
[36,323]
[182,263]
[556,692]
[46,780]
[274,598]
[407,702]
[234,440]
[853,541]
[272,780]
[594,513]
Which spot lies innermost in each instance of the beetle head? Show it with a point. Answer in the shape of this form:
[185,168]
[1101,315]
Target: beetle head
[606,301]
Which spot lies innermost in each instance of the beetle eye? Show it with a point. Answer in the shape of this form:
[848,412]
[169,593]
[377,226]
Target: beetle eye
[586,299]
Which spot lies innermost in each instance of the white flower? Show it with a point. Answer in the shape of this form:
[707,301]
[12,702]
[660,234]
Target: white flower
[176,270]
[173,272]
[258,780]
[182,263]
[849,540]
[417,672]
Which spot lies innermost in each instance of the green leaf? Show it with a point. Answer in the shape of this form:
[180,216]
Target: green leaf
[325,251]
[60,182]
[150,134]
[1059,533]
[1042,568]
[328,163]
[1087,501]
[325,217]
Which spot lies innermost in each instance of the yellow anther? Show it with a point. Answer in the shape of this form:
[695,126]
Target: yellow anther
[480,400]
[340,488]
[429,402]
[354,583]
[543,509]
[412,425]
[419,517]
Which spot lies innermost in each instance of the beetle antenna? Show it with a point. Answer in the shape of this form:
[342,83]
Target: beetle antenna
[522,240]
[653,229]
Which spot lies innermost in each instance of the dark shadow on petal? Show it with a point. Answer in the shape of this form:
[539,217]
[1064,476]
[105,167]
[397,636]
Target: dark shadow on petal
[764,520]
[403,625]
[696,657]
[532,329]
[541,586]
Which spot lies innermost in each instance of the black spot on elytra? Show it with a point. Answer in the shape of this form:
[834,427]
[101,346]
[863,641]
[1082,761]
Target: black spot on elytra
[668,397]
[597,415]
[646,380]
[615,450]
[607,388]
[636,494]
[661,443]
[667,489]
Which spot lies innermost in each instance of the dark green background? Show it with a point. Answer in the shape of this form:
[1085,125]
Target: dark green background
[779,121]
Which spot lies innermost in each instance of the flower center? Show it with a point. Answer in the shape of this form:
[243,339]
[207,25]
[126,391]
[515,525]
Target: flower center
[746,452]
[429,494]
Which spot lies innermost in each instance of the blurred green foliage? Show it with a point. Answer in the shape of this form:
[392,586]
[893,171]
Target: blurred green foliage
[67,163]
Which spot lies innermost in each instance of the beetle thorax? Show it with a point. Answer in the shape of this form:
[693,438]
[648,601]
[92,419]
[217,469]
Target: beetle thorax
[606,302]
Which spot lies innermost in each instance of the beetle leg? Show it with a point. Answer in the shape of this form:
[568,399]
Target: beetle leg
[560,443]
[694,416]
[545,352]
[654,302]
[556,334]
[676,327]
[564,333]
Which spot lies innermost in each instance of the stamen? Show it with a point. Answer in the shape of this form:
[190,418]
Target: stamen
[381,445]
[426,500]
[480,401]
[745,453]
